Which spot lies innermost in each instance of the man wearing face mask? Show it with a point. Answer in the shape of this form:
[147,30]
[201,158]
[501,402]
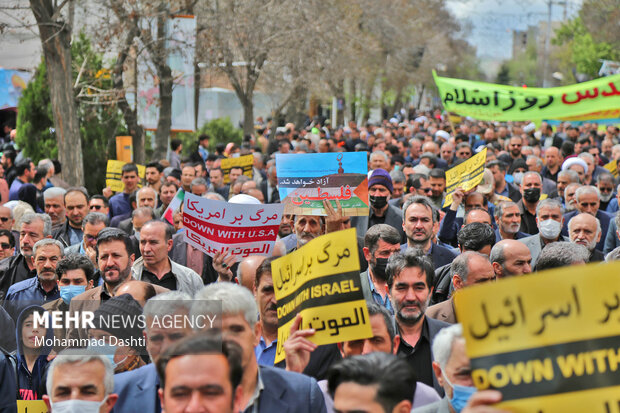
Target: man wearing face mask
[380,242]
[531,187]
[75,275]
[453,371]
[380,190]
[549,220]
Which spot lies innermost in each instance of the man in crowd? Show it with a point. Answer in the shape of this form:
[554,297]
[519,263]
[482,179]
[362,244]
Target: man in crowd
[54,201]
[145,198]
[585,229]
[153,174]
[41,288]
[77,378]
[76,207]
[188,173]
[508,218]
[514,151]
[410,282]
[535,164]
[499,168]
[452,368]
[280,389]
[119,203]
[587,200]
[510,257]
[33,227]
[25,174]
[564,179]
[92,224]
[469,268]
[7,244]
[381,212]
[549,220]
[167,191]
[155,267]
[553,162]
[437,178]
[137,389]
[420,219]
[99,203]
[380,243]
[531,188]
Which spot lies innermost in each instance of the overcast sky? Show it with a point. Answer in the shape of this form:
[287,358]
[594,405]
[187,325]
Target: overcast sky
[492,21]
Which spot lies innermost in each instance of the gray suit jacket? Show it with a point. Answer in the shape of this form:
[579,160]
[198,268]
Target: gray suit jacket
[533,243]
[393,217]
[442,406]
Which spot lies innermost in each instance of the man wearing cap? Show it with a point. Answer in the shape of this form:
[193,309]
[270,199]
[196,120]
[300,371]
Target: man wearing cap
[380,190]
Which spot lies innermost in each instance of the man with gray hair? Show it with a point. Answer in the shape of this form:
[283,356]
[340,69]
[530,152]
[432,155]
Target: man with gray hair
[452,368]
[32,228]
[92,224]
[469,268]
[42,288]
[137,389]
[378,160]
[587,200]
[561,254]
[265,389]
[549,220]
[54,205]
[565,178]
[77,380]
[535,164]
[508,220]
[585,230]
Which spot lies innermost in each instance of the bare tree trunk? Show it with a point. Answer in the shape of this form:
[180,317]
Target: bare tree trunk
[129,114]
[248,114]
[164,73]
[367,100]
[56,42]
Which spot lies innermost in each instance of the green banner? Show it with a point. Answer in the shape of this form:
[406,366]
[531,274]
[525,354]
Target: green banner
[488,101]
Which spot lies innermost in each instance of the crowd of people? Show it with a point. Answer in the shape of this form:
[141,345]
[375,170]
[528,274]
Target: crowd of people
[548,198]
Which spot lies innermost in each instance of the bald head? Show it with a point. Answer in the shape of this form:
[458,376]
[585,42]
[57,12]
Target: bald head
[477,215]
[511,257]
[140,291]
[246,272]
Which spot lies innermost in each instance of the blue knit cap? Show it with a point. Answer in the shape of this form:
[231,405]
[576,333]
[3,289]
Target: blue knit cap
[381,177]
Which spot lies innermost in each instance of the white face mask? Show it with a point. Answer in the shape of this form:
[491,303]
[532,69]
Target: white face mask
[78,406]
[550,228]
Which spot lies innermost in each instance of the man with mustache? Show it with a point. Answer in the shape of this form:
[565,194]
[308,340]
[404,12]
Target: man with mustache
[410,279]
[508,217]
[585,229]
[115,260]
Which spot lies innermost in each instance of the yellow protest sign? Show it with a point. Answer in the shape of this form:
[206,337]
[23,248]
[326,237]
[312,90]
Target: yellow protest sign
[246,162]
[321,281]
[465,175]
[31,406]
[612,167]
[549,342]
[113,175]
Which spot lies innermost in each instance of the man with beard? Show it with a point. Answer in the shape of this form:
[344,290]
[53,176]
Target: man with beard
[420,218]
[605,185]
[115,260]
[514,151]
[566,178]
[437,178]
[380,191]
[54,206]
[508,219]
[32,228]
[307,228]
[569,197]
[587,200]
[76,207]
[584,229]
[380,243]
[410,277]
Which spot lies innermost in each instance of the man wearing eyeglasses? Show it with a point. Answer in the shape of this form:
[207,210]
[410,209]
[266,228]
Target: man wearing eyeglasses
[7,221]
[99,203]
[7,244]
[92,224]
[514,151]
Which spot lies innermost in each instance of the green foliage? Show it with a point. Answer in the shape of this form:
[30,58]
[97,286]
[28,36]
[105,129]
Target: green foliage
[35,120]
[521,70]
[584,52]
[221,130]
[503,76]
[100,120]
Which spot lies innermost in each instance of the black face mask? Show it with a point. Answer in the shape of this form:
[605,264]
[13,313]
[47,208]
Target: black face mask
[378,268]
[378,202]
[531,194]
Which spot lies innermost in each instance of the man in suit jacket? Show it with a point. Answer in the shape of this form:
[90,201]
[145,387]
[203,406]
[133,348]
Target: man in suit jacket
[380,190]
[137,389]
[269,186]
[587,200]
[469,268]
[547,210]
[420,219]
[182,253]
[266,389]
